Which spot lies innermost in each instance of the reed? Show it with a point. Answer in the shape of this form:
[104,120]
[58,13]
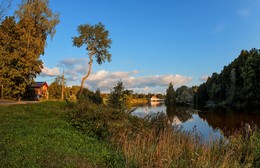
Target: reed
[168,147]
[153,142]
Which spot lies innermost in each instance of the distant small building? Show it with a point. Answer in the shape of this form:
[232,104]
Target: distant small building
[154,98]
[41,90]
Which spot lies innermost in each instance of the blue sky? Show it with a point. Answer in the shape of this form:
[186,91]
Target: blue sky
[154,42]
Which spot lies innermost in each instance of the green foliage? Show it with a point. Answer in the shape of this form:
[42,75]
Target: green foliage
[117,96]
[29,94]
[22,42]
[97,40]
[71,93]
[170,98]
[238,84]
[94,97]
[55,88]
[95,120]
[184,95]
[201,96]
[103,121]
[12,73]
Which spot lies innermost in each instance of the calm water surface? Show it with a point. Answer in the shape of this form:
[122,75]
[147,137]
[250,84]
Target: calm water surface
[211,123]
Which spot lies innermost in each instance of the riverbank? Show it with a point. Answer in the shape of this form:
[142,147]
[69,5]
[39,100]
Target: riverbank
[40,135]
[154,142]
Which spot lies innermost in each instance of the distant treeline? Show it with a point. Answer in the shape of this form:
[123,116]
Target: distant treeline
[238,84]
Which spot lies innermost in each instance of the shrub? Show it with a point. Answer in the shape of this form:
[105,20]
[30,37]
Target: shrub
[95,97]
[95,120]
[117,98]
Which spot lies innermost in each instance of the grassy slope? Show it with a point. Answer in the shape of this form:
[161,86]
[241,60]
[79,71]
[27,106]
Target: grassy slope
[37,135]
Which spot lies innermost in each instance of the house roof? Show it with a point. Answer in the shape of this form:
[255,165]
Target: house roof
[39,84]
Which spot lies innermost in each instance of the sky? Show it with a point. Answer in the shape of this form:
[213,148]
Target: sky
[154,42]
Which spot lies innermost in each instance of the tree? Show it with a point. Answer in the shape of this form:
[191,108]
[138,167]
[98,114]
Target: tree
[36,22]
[128,92]
[11,70]
[170,98]
[97,99]
[232,88]
[238,84]
[201,97]
[97,41]
[184,95]
[22,42]
[116,97]
[250,75]
[55,88]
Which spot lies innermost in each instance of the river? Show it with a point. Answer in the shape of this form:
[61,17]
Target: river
[209,123]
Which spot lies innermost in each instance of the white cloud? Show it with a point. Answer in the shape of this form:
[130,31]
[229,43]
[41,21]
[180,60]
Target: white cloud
[105,80]
[204,78]
[50,72]
[99,75]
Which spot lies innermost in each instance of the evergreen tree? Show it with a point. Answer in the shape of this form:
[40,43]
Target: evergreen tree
[237,84]
[97,99]
[116,97]
[12,74]
[170,98]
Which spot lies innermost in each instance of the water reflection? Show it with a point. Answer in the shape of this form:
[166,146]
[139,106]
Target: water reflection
[188,119]
[180,114]
[149,109]
[209,123]
[228,120]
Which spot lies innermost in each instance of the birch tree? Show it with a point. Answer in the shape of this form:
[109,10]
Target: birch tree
[97,41]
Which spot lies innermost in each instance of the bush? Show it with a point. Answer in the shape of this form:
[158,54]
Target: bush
[95,120]
[88,94]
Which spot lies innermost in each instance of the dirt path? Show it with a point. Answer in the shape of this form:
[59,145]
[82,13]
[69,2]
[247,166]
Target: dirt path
[3,102]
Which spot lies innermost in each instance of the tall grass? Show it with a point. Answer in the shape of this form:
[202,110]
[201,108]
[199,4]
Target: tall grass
[168,147]
[152,142]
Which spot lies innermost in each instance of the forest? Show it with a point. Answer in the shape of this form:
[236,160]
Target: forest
[238,84]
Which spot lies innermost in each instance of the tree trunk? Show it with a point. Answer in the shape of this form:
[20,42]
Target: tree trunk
[85,77]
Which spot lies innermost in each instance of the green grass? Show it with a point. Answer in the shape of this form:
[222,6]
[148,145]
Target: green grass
[38,135]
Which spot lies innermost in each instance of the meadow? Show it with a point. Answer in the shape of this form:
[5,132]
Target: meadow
[38,135]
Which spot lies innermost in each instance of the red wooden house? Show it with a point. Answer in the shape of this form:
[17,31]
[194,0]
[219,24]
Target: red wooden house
[41,90]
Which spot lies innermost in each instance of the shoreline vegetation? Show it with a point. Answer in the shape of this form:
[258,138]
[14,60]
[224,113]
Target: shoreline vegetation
[84,134]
